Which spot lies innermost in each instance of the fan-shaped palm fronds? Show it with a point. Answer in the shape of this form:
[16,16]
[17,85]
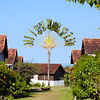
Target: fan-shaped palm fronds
[53,26]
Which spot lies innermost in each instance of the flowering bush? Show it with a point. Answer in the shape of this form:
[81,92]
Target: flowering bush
[11,83]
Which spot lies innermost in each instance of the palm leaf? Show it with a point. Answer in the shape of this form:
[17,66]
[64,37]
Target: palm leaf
[64,31]
[68,40]
[35,27]
[64,28]
[28,43]
[49,23]
[56,27]
[40,25]
[68,35]
[29,37]
[70,43]
[40,31]
[43,26]
[33,32]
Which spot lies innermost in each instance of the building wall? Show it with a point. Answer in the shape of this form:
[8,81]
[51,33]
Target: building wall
[52,82]
[59,74]
[2,56]
[11,66]
[45,77]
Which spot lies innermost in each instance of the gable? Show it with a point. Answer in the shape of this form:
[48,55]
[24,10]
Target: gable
[3,45]
[12,56]
[90,44]
[76,55]
[20,59]
[59,74]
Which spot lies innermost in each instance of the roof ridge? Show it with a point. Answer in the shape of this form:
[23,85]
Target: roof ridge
[90,38]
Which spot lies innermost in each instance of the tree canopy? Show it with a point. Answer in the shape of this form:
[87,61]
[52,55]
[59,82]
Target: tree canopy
[87,77]
[90,2]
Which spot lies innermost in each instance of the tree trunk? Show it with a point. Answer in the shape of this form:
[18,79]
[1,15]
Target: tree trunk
[48,68]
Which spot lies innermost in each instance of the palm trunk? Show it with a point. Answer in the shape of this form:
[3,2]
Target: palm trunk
[48,68]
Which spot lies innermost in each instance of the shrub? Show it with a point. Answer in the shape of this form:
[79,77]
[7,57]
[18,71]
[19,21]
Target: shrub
[66,82]
[26,70]
[43,84]
[19,88]
[36,85]
[86,77]
[11,83]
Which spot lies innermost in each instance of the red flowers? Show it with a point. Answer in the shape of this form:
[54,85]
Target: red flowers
[4,77]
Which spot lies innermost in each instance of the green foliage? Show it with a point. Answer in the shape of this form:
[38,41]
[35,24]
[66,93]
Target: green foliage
[26,70]
[52,26]
[66,82]
[67,76]
[35,85]
[90,2]
[11,83]
[43,84]
[19,88]
[86,77]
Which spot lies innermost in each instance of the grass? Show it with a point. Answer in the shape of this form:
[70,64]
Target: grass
[66,94]
[56,93]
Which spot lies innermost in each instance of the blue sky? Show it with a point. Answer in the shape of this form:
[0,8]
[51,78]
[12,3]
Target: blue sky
[17,16]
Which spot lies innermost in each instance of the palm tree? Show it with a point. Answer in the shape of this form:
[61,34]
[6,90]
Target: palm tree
[49,42]
[49,45]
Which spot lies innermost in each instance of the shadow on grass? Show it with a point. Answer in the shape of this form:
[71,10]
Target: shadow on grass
[34,90]
[30,93]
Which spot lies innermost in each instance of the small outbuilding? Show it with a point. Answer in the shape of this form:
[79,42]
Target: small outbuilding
[56,74]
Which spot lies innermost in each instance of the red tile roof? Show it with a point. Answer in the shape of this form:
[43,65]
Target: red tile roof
[76,54]
[3,45]
[91,44]
[20,59]
[43,68]
[12,53]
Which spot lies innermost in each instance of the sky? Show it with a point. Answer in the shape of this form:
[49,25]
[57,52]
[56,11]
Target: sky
[17,16]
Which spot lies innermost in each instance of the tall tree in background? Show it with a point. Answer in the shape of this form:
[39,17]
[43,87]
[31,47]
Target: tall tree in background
[51,26]
[90,2]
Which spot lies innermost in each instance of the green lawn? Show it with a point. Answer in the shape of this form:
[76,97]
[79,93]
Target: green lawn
[56,93]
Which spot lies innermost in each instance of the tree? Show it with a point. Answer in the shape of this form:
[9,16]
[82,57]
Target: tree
[90,2]
[26,70]
[86,77]
[52,26]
